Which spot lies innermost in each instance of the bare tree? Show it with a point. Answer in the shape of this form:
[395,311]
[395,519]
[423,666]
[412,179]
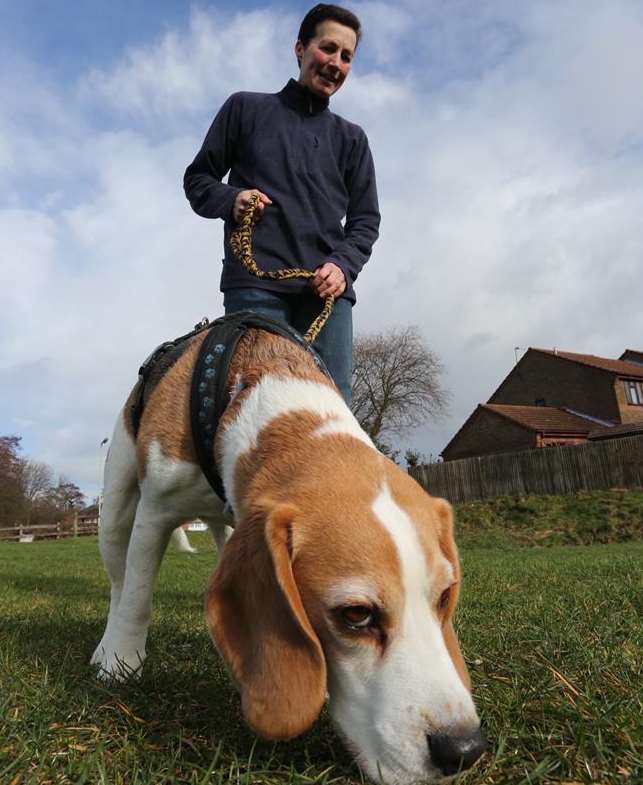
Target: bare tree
[36,480]
[396,383]
[27,493]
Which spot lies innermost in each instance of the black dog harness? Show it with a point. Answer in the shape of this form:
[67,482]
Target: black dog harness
[208,399]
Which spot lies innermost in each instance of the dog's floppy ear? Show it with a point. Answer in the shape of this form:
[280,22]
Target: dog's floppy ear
[444,513]
[260,627]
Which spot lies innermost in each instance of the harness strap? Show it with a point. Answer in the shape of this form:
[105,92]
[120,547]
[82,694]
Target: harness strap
[162,353]
[207,393]
[208,399]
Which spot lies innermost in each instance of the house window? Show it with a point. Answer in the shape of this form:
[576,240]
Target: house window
[634,393]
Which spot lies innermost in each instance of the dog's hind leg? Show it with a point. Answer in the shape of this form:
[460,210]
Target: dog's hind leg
[120,499]
[221,532]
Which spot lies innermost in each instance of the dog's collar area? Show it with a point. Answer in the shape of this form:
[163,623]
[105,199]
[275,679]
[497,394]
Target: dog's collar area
[208,400]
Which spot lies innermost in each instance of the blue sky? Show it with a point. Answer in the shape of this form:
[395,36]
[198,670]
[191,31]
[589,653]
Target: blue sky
[509,152]
[70,37]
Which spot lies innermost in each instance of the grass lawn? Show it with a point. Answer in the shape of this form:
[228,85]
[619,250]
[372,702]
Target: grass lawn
[552,637]
[583,518]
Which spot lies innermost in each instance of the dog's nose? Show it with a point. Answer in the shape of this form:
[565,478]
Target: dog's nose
[456,753]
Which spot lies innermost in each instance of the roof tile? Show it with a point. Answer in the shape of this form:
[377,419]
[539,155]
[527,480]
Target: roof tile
[543,418]
[620,367]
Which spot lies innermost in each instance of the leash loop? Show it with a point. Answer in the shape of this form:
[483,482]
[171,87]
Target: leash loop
[241,243]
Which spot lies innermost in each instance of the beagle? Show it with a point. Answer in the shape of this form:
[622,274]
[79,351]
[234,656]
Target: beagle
[341,575]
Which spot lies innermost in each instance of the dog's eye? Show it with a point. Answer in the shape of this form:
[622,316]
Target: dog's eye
[444,599]
[357,617]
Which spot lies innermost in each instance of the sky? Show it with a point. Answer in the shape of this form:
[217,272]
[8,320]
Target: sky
[508,144]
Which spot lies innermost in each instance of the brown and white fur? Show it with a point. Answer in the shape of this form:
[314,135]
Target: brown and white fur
[341,575]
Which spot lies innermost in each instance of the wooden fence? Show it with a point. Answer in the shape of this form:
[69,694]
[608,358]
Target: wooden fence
[56,531]
[612,463]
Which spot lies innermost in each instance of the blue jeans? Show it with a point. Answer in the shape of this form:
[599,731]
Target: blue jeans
[334,343]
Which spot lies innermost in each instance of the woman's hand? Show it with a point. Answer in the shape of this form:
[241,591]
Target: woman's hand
[241,204]
[329,280]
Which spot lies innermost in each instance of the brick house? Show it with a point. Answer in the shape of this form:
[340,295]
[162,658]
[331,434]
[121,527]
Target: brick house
[552,398]
[631,356]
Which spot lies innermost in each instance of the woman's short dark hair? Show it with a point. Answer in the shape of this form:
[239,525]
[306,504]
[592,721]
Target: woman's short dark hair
[320,13]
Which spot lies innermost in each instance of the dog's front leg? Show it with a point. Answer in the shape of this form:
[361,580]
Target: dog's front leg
[121,652]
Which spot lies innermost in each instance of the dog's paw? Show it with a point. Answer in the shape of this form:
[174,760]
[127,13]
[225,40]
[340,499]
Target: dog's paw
[181,542]
[117,664]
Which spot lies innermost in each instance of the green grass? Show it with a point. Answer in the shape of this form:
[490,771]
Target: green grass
[552,637]
[583,518]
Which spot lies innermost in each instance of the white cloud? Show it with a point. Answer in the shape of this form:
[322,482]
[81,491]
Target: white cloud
[184,71]
[384,28]
[506,221]
[509,169]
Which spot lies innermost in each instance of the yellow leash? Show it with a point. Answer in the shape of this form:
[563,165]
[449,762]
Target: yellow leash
[241,242]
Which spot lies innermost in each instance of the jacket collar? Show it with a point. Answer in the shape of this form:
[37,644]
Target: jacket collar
[302,99]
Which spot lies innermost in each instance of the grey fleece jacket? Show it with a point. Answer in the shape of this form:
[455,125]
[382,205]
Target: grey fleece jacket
[316,168]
